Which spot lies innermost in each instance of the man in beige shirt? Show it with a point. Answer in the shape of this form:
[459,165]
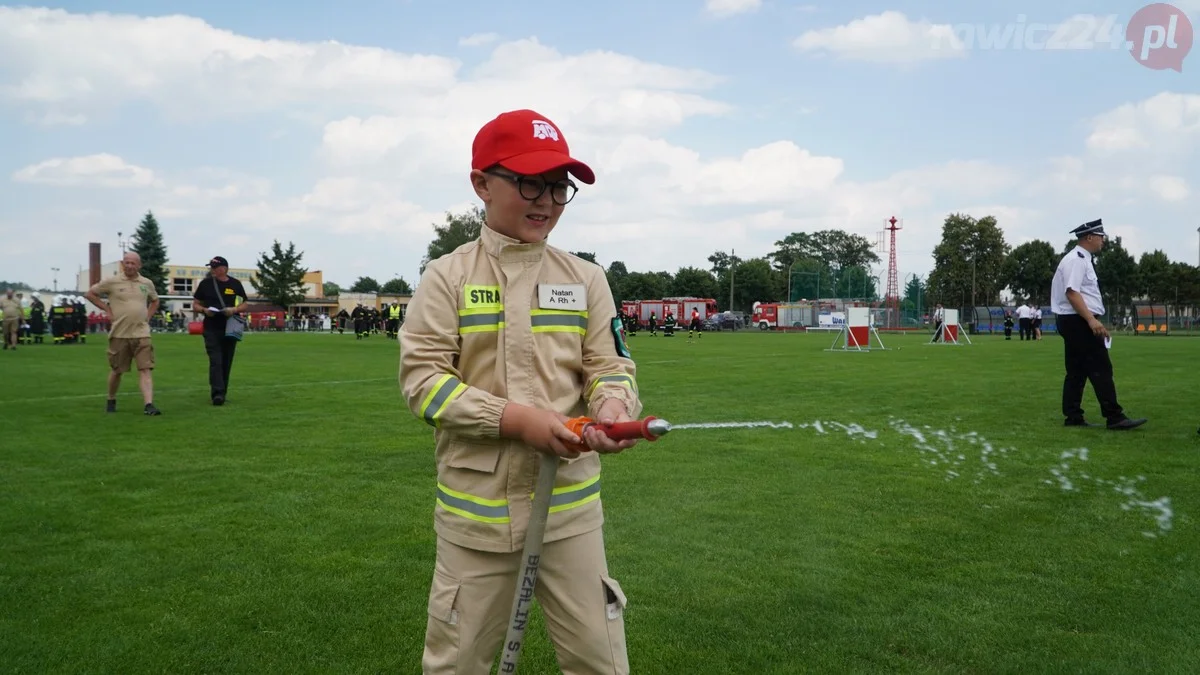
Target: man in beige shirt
[131,301]
[11,308]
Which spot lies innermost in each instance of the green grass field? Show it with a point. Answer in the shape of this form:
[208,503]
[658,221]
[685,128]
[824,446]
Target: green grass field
[291,530]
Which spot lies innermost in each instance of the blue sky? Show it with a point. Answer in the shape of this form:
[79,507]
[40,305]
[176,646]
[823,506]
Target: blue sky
[226,127]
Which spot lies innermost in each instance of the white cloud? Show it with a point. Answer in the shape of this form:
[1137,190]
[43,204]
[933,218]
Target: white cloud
[1170,188]
[478,39]
[391,154]
[52,118]
[727,8]
[190,68]
[103,170]
[889,37]
[1166,122]
[594,95]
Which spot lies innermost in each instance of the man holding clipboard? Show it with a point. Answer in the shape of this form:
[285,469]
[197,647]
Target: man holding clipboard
[1075,298]
[219,298]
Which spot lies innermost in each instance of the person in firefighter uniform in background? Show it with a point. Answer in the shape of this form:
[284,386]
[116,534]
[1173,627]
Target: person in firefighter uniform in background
[504,340]
[393,320]
[694,327]
[359,316]
[669,324]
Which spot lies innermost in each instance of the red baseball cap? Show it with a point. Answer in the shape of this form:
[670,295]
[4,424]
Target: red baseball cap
[527,143]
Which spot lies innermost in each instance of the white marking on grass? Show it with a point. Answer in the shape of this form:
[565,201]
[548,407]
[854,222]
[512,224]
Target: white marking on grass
[158,391]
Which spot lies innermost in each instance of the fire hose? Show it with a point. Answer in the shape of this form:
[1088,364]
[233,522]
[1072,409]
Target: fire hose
[650,429]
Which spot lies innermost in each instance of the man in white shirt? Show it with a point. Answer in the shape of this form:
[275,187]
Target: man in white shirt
[1025,320]
[939,318]
[1075,299]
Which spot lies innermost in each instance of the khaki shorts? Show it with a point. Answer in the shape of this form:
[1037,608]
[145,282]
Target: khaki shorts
[124,351]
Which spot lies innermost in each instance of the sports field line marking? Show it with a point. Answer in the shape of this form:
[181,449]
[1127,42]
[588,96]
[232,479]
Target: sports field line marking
[282,385]
[740,357]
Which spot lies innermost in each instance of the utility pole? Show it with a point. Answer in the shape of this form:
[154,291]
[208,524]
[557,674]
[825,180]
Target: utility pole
[732,266]
[55,270]
[972,281]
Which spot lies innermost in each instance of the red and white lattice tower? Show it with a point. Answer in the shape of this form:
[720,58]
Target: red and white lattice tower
[892,298]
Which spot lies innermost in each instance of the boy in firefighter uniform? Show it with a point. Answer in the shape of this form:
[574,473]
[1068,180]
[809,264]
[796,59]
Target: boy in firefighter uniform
[1008,325]
[669,324]
[504,340]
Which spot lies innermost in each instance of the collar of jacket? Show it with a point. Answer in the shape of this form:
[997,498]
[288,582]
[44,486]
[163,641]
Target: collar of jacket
[505,248]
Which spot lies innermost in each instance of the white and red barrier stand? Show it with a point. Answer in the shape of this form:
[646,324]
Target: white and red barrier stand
[950,331]
[857,332]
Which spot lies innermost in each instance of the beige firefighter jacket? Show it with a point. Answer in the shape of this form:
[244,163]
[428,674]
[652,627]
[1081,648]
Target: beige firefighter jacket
[500,320]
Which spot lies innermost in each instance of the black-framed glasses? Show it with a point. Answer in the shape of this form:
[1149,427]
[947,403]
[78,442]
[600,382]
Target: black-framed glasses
[533,187]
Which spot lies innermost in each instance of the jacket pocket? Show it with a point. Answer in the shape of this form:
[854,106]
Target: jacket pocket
[482,457]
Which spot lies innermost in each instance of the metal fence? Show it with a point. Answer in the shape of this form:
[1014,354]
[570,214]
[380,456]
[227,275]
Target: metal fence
[1143,319]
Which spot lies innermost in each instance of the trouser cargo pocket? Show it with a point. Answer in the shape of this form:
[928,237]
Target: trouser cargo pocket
[442,633]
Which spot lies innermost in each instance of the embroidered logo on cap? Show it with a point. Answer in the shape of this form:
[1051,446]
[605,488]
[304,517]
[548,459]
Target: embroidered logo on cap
[544,130]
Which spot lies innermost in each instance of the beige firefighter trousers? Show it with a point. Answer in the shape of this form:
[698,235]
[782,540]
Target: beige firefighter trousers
[471,597]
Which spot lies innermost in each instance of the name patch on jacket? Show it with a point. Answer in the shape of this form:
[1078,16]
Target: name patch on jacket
[476,297]
[562,296]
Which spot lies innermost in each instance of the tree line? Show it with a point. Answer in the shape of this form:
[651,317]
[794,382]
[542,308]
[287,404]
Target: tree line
[279,274]
[973,264]
[830,263]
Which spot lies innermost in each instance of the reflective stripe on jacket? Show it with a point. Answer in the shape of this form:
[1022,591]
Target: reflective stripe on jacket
[499,320]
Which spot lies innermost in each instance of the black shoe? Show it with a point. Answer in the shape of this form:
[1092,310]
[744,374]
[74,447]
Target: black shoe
[111,406]
[151,410]
[1080,422]
[1125,423]
[218,400]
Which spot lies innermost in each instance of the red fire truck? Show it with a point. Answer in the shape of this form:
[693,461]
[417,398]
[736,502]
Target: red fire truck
[679,306]
[782,315]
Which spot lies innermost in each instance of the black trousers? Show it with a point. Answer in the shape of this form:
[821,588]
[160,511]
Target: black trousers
[220,351]
[1087,361]
[1026,327]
